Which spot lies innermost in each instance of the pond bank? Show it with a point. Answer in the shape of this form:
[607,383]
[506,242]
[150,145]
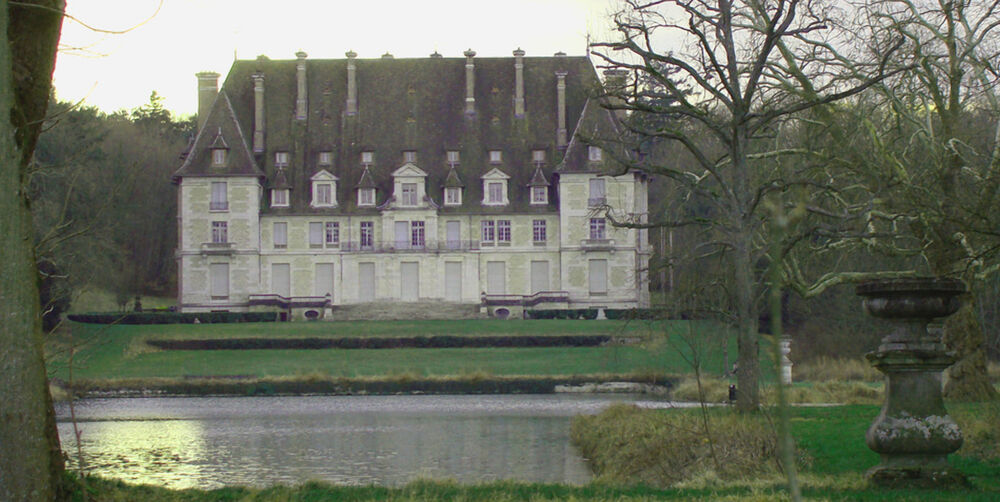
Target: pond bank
[249,385]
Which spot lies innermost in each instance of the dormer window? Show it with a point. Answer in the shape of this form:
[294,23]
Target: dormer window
[452,158]
[539,195]
[367,158]
[279,197]
[366,197]
[280,159]
[495,188]
[594,154]
[538,157]
[496,157]
[410,156]
[324,189]
[453,196]
[325,158]
[409,194]
[218,157]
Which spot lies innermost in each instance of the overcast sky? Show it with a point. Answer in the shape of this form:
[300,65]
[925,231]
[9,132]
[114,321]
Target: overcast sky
[115,71]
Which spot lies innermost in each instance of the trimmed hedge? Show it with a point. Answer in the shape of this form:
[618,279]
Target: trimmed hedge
[623,314]
[172,317]
[415,342]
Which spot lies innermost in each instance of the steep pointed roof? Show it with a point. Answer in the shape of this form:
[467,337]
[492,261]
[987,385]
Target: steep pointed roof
[452,180]
[279,181]
[221,127]
[367,180]
[596,127]
[539,178]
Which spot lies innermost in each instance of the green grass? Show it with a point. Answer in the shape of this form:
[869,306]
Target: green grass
[105,352]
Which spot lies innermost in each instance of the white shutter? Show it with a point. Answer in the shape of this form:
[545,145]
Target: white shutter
[539,276]
[496,278]
[281,280]
[324,279]
[409,281]
[316,234]
[219,276]
[598,277]
[453,281]
[366,282]
[454,236]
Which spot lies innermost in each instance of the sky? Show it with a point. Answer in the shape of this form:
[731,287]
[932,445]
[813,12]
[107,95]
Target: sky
[165,43]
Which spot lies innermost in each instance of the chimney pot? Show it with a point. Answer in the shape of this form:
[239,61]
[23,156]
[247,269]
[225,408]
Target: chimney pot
[351,54]
[301,55]
[470,53]
[436,55]
[560,54]
[387,55]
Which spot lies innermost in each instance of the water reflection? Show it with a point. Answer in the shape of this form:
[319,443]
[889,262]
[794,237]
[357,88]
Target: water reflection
[212,442]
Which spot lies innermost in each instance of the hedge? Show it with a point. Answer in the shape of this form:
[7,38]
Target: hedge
[172,317]
[592,314]
[388,342]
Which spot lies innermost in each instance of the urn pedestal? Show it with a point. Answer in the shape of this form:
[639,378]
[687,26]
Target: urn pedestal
[913,433]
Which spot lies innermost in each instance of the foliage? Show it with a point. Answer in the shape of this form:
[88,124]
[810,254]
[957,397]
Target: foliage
[172,317]
[383,342]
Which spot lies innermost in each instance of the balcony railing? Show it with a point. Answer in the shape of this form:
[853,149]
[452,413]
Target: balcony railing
[597,201]
[217,248]
[526,300]
[273,300]
[409,247]
[218,206]
[598,244]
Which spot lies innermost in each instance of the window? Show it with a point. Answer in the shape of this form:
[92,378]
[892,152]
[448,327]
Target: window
[323,194]
[489,231]
[538,231]
[218,157]
[452,196]
[417,234]
[409,156]
[315,235]
[495,157]
[503,231]
[496,195]
[219,278]
[452,158]
[280,159]
[332,234]
[597,227]
[538,157]
[594,154]
[220,231]
[326,158]
[220,199]
[539,195]
[280,235]
[409,194]
[598,277]
[367,158]
[366,196]
[367,234]
[279,197]
[597,194]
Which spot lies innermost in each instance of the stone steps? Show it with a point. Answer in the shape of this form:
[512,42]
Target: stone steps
[401,311]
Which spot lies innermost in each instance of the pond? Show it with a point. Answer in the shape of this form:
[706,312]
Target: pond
[211,442]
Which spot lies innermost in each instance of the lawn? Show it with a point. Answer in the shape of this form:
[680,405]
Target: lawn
[118,351]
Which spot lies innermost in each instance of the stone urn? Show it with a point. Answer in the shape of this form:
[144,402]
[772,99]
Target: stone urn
[913,433]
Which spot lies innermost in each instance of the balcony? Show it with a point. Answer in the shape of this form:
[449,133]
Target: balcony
[217,248]
[598,245]
[597,201]
[409,247]
[218,206]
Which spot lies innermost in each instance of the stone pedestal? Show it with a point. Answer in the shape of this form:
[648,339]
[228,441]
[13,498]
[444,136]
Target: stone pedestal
[913,433]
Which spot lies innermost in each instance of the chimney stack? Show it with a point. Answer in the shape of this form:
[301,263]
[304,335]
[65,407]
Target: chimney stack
[561,99]
[300,77]
[208,89]
[352,84]
[614,85]
[470,82]
[518,82]
[258,112]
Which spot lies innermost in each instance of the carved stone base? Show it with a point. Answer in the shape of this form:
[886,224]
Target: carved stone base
[916,471]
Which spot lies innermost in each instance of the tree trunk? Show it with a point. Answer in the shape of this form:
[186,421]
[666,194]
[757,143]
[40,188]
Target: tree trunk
[968,379]
[30,458]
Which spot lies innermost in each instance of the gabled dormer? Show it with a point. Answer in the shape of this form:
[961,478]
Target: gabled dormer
[453,188]
[220,150]
[409,186]
[539,187]
[324,189]
[495,184]
[366,189]
[280,189]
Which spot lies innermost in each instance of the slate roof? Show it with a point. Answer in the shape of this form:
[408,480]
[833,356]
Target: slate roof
[403,105]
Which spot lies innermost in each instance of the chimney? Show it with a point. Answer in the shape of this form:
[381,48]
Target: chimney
[614,86]
[470,82]
[352,84]
[300,77]
[518,82]
[258,112]
[208,89]
[561,99]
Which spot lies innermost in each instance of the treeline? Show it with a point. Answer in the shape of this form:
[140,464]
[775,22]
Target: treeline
[103,205]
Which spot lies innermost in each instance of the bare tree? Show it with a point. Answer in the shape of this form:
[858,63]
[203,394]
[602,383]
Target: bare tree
[30,458]
[949,168]
[722,76]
